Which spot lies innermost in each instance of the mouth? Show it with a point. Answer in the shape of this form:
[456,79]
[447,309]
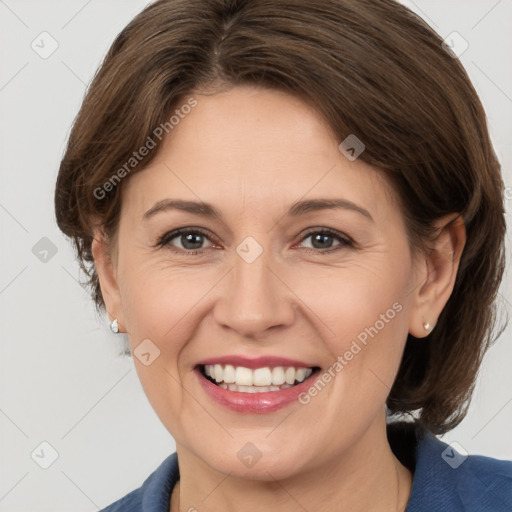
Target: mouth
[266,379]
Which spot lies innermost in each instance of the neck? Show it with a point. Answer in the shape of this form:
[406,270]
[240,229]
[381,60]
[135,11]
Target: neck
[368,477]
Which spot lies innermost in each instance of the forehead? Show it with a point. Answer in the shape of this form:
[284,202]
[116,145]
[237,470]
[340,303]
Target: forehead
[260,147]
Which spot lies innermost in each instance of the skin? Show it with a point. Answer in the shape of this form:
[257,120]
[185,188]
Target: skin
[252,153]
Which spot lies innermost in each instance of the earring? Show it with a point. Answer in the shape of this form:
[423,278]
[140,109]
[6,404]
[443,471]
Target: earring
[426,326]
[114,326]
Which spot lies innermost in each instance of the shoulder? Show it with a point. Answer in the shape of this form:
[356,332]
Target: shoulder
[155,492]
[448,479]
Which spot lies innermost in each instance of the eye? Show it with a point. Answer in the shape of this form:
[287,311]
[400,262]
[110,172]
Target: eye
[190,239]
[322,241]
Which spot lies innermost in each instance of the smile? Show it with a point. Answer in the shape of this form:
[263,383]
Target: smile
[256,390]
[259,380]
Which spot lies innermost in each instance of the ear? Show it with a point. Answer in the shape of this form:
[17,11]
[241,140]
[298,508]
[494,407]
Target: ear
[107,275]
[436,273]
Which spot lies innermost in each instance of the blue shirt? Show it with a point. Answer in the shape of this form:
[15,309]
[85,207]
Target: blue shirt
[445,480]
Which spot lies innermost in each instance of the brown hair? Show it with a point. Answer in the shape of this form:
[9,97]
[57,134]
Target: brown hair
[371,68]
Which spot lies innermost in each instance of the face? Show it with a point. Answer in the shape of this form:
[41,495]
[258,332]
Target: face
[318,286]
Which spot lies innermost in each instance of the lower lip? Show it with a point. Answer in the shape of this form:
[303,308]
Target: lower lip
[255,403]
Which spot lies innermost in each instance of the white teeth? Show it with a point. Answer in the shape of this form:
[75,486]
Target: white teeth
[229,374]
[300,374]
[260,378]
[243,376]
[278,377]
[289,375]
[253,389]
[247,389]
[218,372]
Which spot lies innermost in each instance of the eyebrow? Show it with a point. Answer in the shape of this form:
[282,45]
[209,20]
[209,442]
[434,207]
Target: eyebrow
[297,209]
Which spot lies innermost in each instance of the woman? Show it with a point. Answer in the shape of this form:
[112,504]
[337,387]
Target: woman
[220,148]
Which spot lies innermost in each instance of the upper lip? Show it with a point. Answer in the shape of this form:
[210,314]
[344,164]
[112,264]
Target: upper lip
[257,362]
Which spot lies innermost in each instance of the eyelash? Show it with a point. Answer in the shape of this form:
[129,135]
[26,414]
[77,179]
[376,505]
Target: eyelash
[166,238]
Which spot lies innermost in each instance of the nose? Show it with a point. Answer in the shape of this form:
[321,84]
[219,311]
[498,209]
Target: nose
[255,297]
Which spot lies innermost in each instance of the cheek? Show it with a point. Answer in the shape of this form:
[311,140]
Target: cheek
[158,306]
[157,298]
[362,314]
[350,301]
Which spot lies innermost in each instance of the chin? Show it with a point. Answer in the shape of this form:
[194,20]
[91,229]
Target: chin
[268,467]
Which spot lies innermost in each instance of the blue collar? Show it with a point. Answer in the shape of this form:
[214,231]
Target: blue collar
[444,479]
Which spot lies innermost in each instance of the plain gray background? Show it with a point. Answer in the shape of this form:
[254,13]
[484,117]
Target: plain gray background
[62,381]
